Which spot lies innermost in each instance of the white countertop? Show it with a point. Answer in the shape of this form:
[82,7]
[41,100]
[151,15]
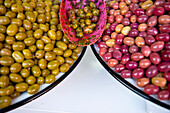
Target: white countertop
[88,89]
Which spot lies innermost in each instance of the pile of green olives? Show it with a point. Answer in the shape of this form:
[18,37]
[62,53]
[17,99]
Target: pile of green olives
[84,20]
[33,48]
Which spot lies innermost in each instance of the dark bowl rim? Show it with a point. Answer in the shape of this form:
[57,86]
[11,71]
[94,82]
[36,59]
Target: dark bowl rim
[128,84]
[45,90]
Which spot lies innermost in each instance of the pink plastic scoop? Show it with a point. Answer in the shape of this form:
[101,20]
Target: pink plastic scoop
[70,33]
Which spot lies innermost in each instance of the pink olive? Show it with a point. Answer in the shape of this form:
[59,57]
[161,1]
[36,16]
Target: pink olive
[155,58]
[151,71]
[125,58]
[138,73]
[137,56]
[117,55]
[151,89]
[164,67]
[126,74]
[146,51]
[102,51]
[157,46]
[119,68]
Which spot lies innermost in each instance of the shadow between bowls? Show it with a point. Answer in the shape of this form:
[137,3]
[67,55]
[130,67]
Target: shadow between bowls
[126,83]
[48,88]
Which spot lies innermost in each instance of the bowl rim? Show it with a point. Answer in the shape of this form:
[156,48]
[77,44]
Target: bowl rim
[126,83]
[48,88]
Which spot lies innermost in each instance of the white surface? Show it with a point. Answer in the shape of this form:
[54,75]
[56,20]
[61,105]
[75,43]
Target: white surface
[88,89]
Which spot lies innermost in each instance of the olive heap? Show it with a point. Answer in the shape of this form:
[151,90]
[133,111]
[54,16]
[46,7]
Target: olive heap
[136,43]
[33,49]
[84,20]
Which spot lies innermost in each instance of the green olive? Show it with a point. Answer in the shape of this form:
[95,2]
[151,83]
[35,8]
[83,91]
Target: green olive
[89,15]
[65,40]
[5,45]
[41,18]
[78,49]
[55,71]
[52,34]
[49,3]
[1,46]
[4,20]
[9,40]
[49,79]
[46,40]
[79,34]
[27,54]
[5,52]
[61,45]
[9,90]
[40,10]
[8,3]
[49,56]
[64,67]
[27,24]
[67,53]
[74,26]
[4,70]
[21,30]
[58,51]
[79,29]
[88,22]
[30,80]
[15,94]
[2,37]
[86,9]
[74,56]
[40,54]
[27,63]
[38,33]
[53,64]
[45,72]
[40,4]
[17,8]
[82,20]
[4,80]
[29,33]
[6,60]
[47,9]
[10,14]
[59,27]
[27,7]
[40,80]
[15,78]
[53,14]
[18,46]
[20,16]
[42,63]
[33,4]
[36,71]
[12,29]
[95,12]
[92,5]
[70,61]
[35,26]
[21,87]
[32,48]
[16,21]
[30,16]
[48,17]
[18,1]
[15,68]
[40,44]
[24,73]
[2,29]
[18,56]
[5,101]
[60,59]
[33,88]
[72,46]
[55,8]
[43,27]
[20,36]
[2,9]
[29,41]
[49,47]
[54,21]
[59,35]
[87,30]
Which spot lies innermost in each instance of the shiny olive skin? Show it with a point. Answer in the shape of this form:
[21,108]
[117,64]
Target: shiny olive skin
[5,52]
[64,67]
[30,16]
[15,94]
[6,60]
[18,56]
[4,81]
[10,40]
[53,64]
[24,73]
[18,46]
[39,54]
[49,56]
[29,41]
[27,54]
[15,68]
[15,78]
[20,36]
[60,59]
[2,29]
[4,20]
[49,79]
[33,88]
[30,80]
[45,72]
[27,63]
[36,71]
[21,87]
[27,24]
[16,21]
[52,34]
[12,29]
[40,80]
[61,45]
[42,63]
[5,101]
[38,33]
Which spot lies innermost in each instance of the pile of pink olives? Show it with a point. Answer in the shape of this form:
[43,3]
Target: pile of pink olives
[83,20]
[136,43]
